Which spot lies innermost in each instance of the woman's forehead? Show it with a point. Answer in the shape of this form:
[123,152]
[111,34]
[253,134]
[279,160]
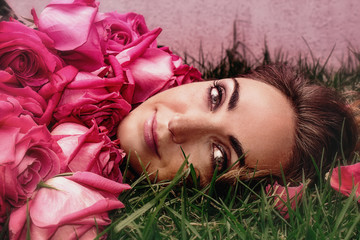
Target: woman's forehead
[264,123]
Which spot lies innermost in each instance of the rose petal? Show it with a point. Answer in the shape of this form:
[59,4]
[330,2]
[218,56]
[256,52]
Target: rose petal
[138,47]
[8,137]
[94,180]
[150,72]
[88,80]
[71,201]
[280,196]
[67,24]
[75,232]
[17,222]
[29,53]
[348,181]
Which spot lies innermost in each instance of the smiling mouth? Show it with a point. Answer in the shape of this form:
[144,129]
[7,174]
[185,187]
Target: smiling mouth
[150,135]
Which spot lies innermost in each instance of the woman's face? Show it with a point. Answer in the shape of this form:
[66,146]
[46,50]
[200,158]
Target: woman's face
[214,122]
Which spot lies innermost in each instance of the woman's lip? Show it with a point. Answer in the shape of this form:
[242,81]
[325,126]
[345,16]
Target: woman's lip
[150,135]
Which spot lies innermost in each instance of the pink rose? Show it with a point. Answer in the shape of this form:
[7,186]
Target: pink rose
[9,107]
[29,155]
[70,24]
[120,30]
[186,74]
[4,206]
[183,73]
[7,76]
[26,100]
[82,103]
[349,179]
[89,150]
[282,200]
[68,208]
[152,70]
[149,81]
[85,37]
[136,21]
[90,40]
[28,53]
[53,90]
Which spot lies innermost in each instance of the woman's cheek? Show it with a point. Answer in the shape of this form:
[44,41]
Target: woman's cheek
[199,156]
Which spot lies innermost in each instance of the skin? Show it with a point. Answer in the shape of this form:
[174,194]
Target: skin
[261,120]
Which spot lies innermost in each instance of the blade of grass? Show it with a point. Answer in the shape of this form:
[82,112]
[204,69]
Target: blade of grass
[186,222]
[126,167]
[150,221]
[147,206]
[183,213]
[351,229]
[238,228]
[341,216]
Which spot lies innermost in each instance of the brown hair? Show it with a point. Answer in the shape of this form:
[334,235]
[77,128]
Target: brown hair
[325,125]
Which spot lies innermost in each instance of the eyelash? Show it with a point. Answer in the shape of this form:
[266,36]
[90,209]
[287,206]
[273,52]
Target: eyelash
[215,103]
[219,162]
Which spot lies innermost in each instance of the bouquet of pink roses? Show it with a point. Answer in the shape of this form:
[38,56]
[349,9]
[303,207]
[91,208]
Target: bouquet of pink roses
[64,87]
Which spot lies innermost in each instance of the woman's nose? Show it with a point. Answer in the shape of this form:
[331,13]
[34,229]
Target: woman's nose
[184,127]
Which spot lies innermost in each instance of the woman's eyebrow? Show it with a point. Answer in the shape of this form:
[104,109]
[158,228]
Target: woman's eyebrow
[234,96]
[236,145]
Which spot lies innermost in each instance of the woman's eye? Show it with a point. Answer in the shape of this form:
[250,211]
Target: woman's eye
[219,158]
[215,96]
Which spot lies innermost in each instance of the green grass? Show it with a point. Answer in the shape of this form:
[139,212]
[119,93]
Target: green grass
[179,211]
[176,210]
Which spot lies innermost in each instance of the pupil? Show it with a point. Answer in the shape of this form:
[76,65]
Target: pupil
[215,95]
[218,160]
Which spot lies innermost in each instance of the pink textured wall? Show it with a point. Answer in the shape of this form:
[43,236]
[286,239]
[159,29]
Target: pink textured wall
[283,23]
